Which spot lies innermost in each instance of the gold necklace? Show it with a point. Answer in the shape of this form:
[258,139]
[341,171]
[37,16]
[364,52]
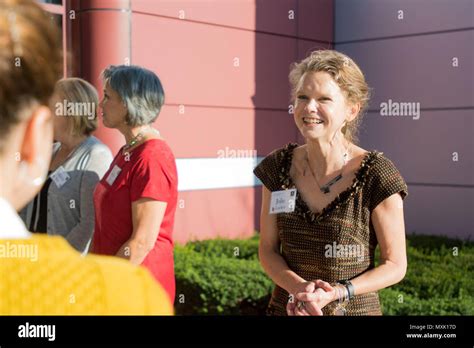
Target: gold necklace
[140,136]
[134,140]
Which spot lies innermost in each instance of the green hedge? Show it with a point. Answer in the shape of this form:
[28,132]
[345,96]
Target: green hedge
[225,277]
[220,277]
[437,282]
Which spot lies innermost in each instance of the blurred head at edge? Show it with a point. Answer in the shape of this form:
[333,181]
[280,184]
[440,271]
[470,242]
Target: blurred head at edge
[30,65]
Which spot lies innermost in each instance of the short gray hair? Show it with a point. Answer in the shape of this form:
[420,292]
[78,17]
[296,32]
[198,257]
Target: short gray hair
[140,90]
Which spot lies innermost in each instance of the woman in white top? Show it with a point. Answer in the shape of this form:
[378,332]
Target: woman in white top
[64,205]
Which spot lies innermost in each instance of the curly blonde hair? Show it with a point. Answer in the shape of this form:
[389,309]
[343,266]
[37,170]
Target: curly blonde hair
[345,72]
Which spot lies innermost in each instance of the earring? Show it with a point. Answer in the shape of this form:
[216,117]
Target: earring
[25,169]
[344,128]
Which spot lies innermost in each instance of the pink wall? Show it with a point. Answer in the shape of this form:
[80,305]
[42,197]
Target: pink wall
[101,37]
[227,104]
[193,47]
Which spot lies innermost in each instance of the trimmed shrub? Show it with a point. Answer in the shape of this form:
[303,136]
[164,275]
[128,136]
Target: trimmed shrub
[225,277]
[439,279]
[220,277]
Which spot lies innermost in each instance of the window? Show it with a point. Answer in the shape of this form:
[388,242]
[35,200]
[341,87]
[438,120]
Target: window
[57,9]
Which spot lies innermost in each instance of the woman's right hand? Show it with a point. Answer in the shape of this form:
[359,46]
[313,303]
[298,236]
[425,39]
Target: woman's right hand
[292,307]
[314,295]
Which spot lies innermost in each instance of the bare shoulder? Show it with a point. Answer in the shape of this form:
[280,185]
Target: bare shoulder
[299,157]
[358,151]
[357,155]
[299,151]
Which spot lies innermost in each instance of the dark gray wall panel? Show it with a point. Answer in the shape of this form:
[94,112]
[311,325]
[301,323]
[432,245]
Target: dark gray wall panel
[418,69]
[364,19]
[440,211]
[423,149]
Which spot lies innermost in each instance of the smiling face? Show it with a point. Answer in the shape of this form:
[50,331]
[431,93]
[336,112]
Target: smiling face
[321,108]
[114,110]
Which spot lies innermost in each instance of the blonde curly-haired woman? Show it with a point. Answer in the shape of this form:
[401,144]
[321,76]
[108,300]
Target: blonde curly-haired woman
[328,203]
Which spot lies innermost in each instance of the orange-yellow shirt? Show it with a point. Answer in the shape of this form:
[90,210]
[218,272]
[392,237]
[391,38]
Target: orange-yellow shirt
[43,275]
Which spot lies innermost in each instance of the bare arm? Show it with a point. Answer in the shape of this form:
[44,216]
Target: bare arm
[389,225]
[147,215]
[269,251]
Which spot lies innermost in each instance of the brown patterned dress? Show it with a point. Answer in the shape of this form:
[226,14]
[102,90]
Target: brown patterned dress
[310,241]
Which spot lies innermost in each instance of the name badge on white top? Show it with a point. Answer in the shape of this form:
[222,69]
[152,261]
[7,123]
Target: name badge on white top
[113,175]
[283,201]
[60,176]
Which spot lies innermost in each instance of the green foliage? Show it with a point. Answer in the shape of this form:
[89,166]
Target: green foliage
[220,277]
[225,277]
[246,249]
[439,279]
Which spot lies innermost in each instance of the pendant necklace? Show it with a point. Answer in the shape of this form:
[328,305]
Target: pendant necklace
[138,138]
[327,187]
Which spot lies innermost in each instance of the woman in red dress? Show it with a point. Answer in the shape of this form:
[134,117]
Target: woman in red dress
[135,202]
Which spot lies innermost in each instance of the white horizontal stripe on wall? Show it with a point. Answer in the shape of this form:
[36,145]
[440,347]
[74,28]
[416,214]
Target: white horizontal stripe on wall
[216,173]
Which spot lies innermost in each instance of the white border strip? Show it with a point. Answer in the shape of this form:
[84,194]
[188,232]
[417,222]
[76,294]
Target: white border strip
[216,173]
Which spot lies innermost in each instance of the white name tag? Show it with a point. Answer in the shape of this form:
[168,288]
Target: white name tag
[283,201]
[60,176]
[113,175]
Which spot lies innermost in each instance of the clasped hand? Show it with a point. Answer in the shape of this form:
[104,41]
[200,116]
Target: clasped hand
[309,298]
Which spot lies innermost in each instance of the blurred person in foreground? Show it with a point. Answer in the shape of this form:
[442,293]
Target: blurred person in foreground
[43,275]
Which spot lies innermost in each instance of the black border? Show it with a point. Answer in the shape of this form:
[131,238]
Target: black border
[134,330]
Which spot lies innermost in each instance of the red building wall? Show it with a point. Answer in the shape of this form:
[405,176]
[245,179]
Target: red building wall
[224,67]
